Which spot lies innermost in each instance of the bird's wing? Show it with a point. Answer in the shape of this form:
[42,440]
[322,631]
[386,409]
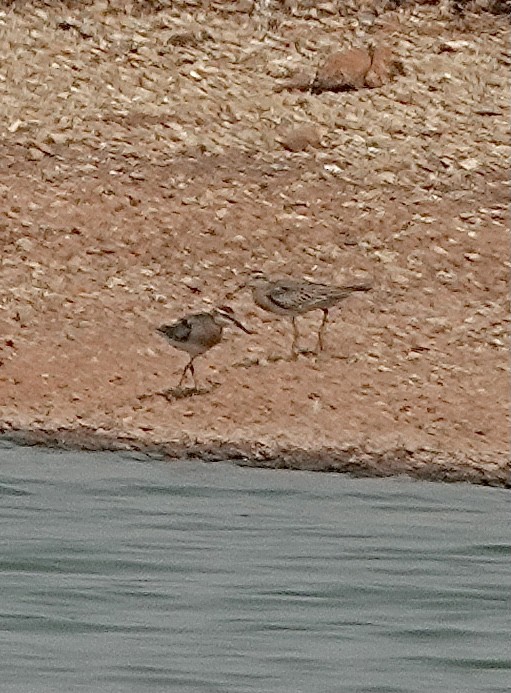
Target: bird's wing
[302,294]
[178,331]
[284,294]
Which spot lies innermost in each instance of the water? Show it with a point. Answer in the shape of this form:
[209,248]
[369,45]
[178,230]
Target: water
[126,575]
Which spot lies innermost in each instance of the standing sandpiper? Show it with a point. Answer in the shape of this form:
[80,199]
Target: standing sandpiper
[293,297]
[197,333]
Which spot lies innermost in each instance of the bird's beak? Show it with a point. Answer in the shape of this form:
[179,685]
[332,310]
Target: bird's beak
[232,294]
[245,280]
[242,327]
[237,323]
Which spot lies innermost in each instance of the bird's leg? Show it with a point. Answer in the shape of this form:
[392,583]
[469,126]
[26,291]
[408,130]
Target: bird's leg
[296,337]
[188,367]
[192,371]
[322,330]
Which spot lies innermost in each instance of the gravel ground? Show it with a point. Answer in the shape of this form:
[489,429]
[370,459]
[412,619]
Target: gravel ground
[143,173]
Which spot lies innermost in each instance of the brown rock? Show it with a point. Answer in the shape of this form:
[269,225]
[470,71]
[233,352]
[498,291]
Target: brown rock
[300,138]
[300,81]
[35,154]
[383,68]
[356,68]
[342,71]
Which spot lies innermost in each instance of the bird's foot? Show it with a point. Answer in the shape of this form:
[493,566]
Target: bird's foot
[251,361]
[309,352]
[302,351]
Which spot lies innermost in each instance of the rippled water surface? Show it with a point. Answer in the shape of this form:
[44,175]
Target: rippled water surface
[126,575]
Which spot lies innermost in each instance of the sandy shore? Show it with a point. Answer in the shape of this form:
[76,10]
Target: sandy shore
[142,174]
[356,460]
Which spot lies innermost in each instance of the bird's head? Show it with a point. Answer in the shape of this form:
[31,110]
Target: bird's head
[164,330]
[255,279]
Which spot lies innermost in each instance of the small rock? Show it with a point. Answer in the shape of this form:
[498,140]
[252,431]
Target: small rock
[453,46]
[57,137]
[188,39]
[35,154]
[24,244]
[192,283]
[333,168]
[469,164]
[300,138]
[342,71]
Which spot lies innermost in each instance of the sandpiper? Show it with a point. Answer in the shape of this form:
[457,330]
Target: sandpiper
[197,333]
[293,297]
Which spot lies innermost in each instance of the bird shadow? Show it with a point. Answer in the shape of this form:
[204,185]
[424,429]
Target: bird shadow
[178,392]
[250,361]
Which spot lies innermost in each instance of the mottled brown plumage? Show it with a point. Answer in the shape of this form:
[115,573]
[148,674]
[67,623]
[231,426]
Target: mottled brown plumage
[293,297]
